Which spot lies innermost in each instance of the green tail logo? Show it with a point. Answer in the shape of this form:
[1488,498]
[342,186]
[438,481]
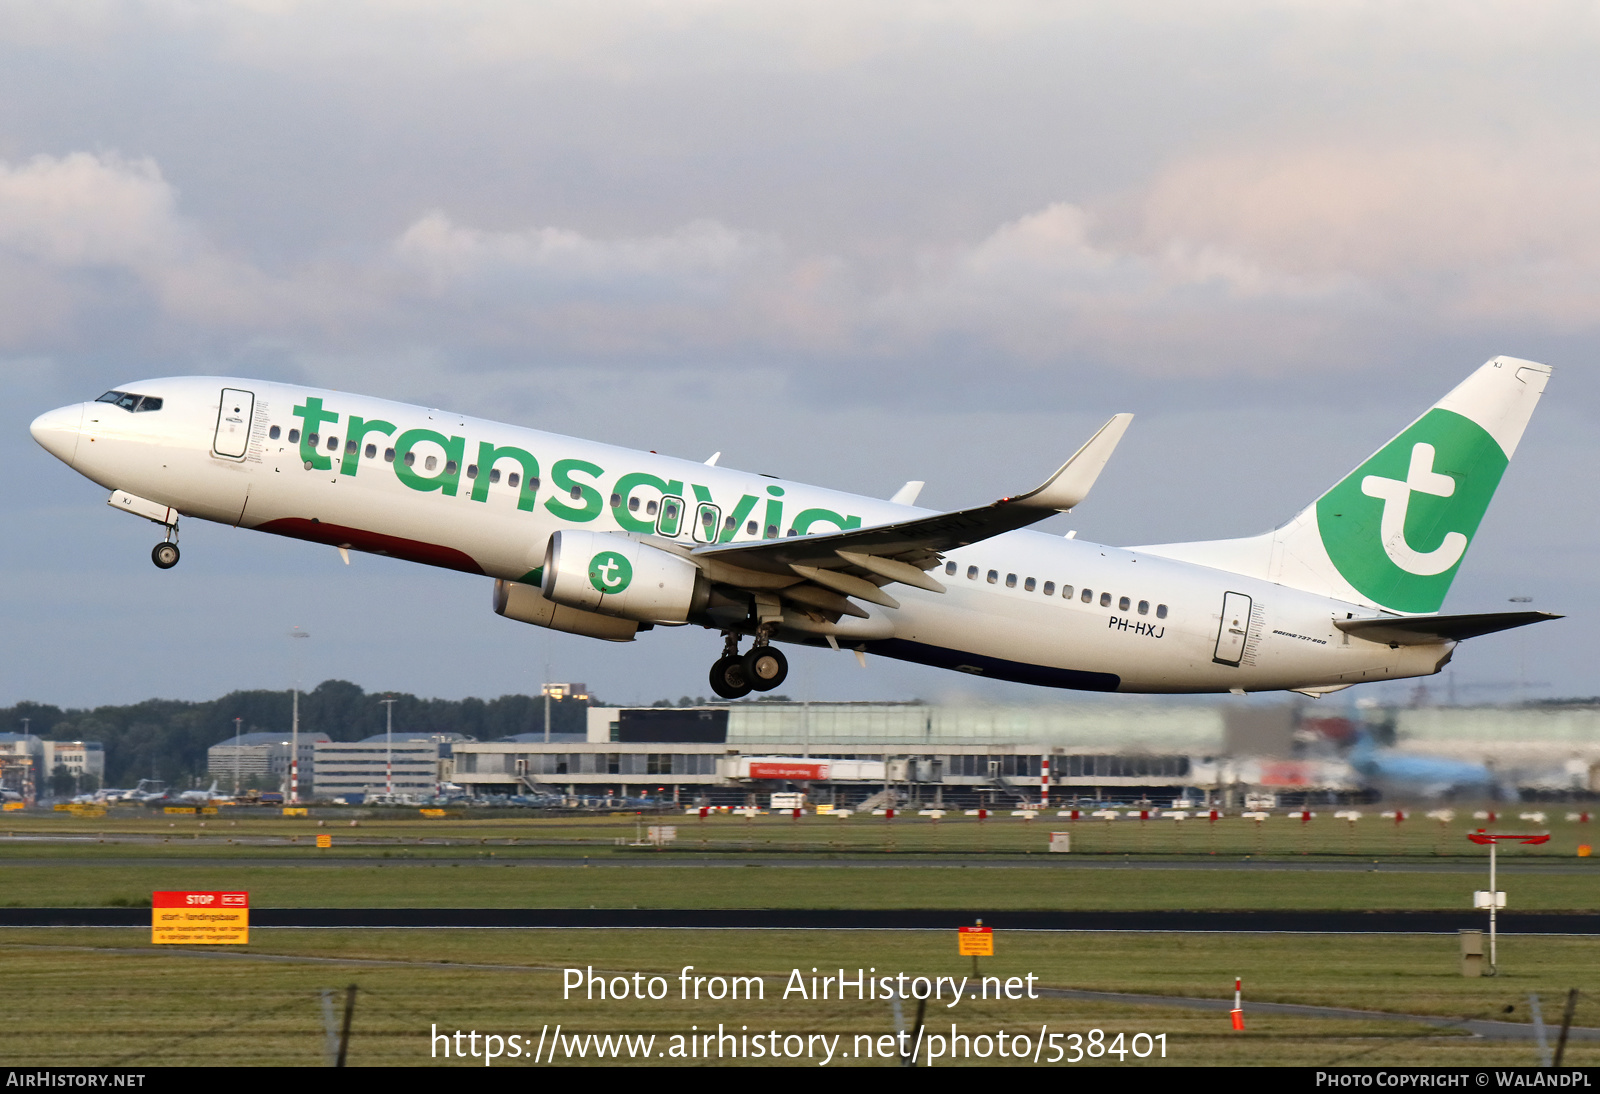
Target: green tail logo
[1399,525]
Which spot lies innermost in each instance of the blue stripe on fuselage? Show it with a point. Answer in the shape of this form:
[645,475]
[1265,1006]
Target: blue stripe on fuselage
[994,667]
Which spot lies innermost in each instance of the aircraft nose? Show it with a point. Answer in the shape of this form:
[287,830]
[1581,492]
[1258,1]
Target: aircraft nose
[57,431]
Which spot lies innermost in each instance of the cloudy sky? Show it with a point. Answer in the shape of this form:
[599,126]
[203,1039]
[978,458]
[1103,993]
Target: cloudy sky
[846,243]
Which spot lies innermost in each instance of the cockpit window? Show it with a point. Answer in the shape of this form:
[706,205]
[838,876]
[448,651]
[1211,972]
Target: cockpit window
[130,402]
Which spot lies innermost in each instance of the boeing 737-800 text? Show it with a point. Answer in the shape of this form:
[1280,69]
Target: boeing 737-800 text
[607,542]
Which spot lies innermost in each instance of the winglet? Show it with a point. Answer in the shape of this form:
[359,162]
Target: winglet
[1072,483]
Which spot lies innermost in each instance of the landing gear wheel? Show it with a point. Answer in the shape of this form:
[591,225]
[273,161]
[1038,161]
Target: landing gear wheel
[165,555]
[728,678]
[765,667]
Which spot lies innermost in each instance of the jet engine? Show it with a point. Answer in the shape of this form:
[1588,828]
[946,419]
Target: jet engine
[617,576]
[525,604]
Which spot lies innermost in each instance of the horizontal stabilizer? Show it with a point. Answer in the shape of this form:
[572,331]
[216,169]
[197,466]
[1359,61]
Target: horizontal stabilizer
[1425,630]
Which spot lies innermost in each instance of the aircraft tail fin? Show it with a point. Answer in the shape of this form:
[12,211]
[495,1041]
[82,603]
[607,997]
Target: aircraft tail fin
[1392,533]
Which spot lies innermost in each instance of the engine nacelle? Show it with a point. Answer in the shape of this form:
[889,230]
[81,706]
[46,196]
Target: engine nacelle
[615,575]
[526,604]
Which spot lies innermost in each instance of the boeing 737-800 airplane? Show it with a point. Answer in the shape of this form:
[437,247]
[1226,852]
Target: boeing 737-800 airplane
[608,542]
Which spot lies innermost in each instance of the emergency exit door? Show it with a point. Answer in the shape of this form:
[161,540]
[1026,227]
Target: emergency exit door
[234,415]
[1235,626]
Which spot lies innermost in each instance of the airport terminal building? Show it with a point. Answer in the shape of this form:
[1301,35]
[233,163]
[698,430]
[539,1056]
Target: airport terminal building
[847,753]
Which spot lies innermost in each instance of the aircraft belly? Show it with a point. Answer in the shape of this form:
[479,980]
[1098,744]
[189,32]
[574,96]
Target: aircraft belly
[194,484]
[384,518]
[981,634]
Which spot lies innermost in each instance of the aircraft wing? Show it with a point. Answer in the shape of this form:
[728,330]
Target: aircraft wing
[1423,630]
[820,570]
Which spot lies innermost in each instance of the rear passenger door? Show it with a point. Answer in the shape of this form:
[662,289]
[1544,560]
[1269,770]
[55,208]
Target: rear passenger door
[1235,626]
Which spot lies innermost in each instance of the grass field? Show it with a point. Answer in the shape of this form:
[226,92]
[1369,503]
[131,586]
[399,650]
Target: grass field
[103,997]
[363,885]
[92,996]
[31,834]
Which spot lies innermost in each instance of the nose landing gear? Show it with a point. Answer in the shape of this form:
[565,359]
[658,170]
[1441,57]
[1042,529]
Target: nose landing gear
[762,669]
[165,553]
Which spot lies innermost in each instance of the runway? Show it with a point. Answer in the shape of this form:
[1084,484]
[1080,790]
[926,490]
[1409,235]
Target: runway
[701,860]
[855,919]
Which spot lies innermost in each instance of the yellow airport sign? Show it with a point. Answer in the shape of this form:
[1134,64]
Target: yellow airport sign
[12,807]
[433,812]
[976,941]
[324,840]
[206,919]
[179,809]
[296,811]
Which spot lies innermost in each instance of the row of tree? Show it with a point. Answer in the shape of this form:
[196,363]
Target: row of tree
[167,739]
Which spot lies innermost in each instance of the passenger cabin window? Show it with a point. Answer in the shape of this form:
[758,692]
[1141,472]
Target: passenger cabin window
[750,528]
[430,463]
[1011,581]
[1144,607]
[511,480]
[577,493]
[411,459]
[729,525]
[472,470]
[633,505]
[372,451]
[1028,585]
[949,569]
[649,507]
[1088,596]
[333,444]
[1105,600]
[993,576]
[1161,611]
[294,437]
[972,573]
[388,454]
[274,433]
[1123,604]
[313,439]
[1066,591]
[772,531]
[1049,588]
[350,448]
[450,467]
[616,501]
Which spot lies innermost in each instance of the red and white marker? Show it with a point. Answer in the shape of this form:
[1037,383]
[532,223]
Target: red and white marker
[1237,1012]
[1044,783]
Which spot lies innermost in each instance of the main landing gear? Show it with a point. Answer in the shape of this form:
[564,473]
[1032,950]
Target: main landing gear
[165,553]
[734,675]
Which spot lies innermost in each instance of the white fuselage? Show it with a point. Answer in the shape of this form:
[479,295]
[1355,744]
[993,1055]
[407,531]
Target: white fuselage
[1149,624]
